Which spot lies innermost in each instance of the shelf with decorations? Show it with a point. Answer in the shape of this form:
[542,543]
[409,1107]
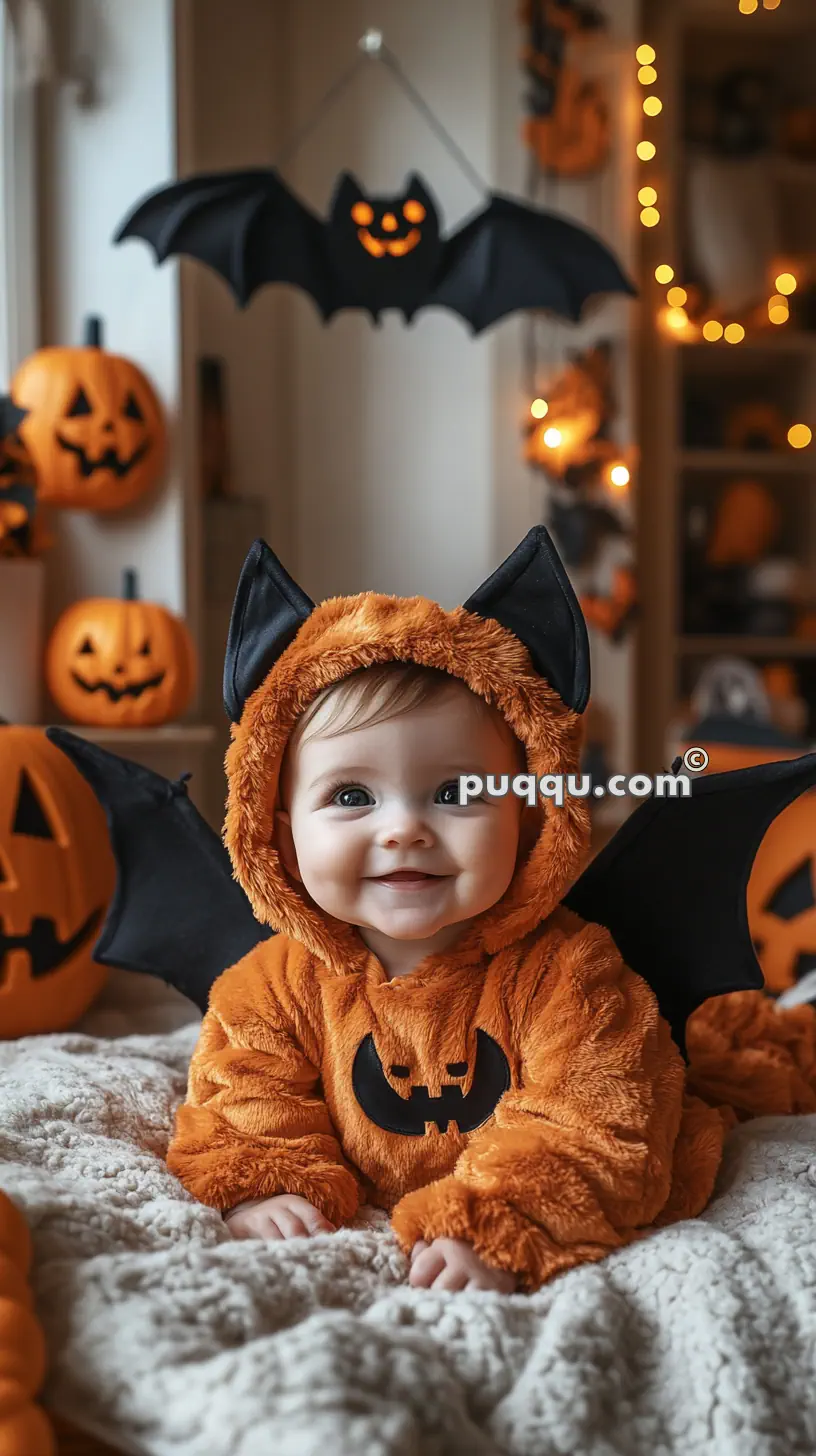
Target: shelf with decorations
[727,563]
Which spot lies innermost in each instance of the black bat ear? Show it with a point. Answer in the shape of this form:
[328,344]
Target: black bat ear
[268,612]
[347,191]
[530,594]
[417,188]
[11,416]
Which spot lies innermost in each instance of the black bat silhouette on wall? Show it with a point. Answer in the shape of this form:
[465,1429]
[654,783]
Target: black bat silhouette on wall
[374,253]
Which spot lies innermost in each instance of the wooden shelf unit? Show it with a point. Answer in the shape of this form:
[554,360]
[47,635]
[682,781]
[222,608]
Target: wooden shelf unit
[686,35]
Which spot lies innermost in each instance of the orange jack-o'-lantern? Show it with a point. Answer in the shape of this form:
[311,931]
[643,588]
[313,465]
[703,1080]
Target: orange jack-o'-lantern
[120,663]
[782,897]
[56,878]
[24,1427]
[95,428]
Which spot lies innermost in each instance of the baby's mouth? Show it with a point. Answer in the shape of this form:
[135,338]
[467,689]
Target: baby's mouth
[406,877]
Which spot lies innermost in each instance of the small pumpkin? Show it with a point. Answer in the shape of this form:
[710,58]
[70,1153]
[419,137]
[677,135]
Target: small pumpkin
[120,663]
[57,876]
[94,427]
[782,896]
[757,425]
[24,1427]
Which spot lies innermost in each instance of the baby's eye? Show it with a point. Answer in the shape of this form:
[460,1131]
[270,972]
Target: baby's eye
[345,798]
[448,793]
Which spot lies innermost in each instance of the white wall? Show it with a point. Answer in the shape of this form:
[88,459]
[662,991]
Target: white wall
[97,161]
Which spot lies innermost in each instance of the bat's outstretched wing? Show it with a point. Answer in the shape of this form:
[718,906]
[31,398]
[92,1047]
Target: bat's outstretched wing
[248,226]
[671,885]
[177,913]
[509,256]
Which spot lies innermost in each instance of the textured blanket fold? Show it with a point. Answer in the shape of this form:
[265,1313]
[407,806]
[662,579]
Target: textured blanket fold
[169,1338]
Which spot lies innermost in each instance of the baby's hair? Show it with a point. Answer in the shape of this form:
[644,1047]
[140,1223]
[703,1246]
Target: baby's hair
[383,691]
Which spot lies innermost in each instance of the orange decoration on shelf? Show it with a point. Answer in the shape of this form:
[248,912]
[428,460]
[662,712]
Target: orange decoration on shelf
[120,662]
[24,1428]
[56,879]
[95,429]
[611,614]
[782,896]
[573,137]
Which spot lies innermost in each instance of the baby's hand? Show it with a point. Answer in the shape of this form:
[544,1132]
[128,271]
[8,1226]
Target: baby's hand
[283,1217]
[453,1264]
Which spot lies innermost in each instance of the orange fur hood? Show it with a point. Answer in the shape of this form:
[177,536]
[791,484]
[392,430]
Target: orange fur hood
[345,633]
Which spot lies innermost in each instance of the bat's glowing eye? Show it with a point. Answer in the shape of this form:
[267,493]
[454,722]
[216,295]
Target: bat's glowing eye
[362,213]
[414,211]
[389,223]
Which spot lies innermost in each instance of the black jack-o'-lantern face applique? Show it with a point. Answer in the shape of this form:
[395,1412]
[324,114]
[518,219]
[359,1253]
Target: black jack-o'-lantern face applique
[387,249]
[409,1115]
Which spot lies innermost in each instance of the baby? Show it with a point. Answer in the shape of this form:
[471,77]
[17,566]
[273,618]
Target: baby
[430,1031]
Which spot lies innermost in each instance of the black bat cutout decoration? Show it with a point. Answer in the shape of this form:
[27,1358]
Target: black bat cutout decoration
[384,1106]
[376,253]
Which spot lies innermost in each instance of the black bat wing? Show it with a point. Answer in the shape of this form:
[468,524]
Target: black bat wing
[510,256]
[177,913]
[671,885]
[248,226]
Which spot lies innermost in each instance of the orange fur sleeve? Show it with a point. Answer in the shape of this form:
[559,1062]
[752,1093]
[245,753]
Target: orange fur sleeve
[254,1123]
[580,1157]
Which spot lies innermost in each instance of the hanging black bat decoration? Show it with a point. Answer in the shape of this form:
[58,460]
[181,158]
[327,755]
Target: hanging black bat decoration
[376,253]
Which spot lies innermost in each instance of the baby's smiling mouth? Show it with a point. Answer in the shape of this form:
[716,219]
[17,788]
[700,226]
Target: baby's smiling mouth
[407,877]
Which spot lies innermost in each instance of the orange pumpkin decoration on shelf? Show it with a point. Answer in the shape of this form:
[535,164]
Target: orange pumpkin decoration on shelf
[782,897]
[57,876]
[95,428]
[24,1428]
[120,663]
[17,484]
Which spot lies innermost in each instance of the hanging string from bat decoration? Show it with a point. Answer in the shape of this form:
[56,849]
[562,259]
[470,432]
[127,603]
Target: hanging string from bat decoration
[374,253]
[568,128]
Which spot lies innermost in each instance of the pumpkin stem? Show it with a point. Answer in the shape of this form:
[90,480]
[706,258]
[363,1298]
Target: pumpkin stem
[93,332]
[130,585]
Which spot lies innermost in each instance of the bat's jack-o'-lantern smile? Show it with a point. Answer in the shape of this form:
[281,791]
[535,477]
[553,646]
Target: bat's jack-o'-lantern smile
[363,214]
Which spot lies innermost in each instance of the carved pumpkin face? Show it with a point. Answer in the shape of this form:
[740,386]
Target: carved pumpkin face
[120,663]
[387,249]
[410,1112]
[95,428]
[782,896]
[56,878]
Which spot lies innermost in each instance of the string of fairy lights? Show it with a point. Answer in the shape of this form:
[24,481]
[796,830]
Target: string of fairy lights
[673,317]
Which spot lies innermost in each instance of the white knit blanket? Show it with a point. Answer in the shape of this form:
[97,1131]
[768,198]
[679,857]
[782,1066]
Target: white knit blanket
[169,1338]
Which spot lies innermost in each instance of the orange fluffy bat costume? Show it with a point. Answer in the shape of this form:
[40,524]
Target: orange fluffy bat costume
[521,1090]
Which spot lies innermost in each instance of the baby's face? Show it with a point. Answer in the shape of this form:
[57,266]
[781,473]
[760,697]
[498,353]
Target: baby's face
[373,801]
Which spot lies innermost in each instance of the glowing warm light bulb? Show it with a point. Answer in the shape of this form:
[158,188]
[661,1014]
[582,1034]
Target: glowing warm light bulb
[799,436]
[734,334]
[646,150]
[778,311]
[677,297]
[712,330]
[747,7]
[771,4]
[619,476]
[653,106]
[552,438]
[539,408]
[677,318]
[664,273]
[644,55]
[785,283]
[647,75]
[647,196]
[650,217]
